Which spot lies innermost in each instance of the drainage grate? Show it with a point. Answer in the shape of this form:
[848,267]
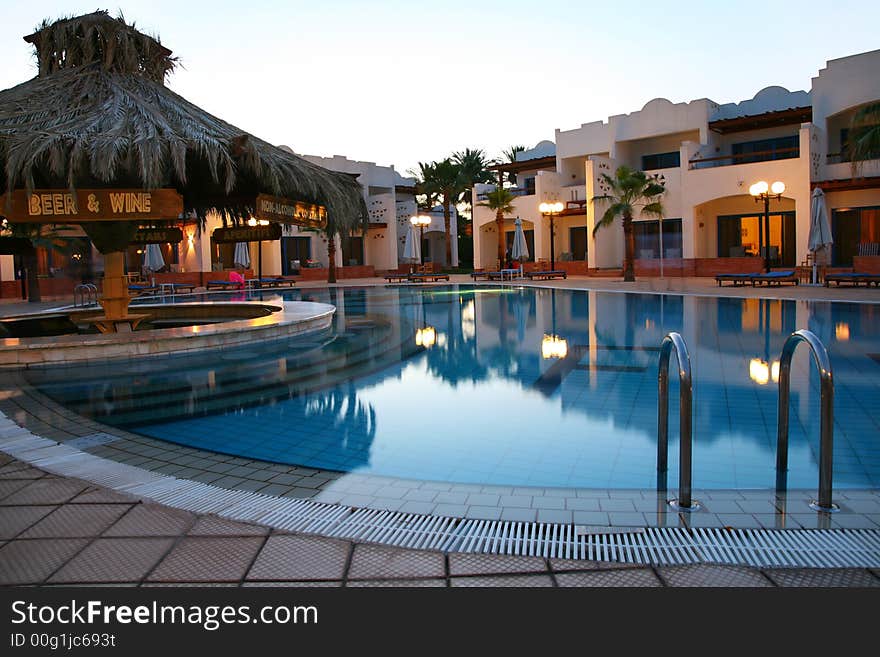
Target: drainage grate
[778,548]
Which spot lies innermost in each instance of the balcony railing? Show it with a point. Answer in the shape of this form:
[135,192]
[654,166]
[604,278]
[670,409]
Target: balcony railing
[744,158]
[515,191]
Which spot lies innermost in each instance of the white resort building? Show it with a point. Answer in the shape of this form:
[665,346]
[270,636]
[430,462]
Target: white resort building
[708,156]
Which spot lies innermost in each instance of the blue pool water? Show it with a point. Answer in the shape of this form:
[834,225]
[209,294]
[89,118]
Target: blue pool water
[481,404]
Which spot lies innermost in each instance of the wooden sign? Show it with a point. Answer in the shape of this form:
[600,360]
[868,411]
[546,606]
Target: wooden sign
[157,236]
[54,206]
[267,233]
[285,211]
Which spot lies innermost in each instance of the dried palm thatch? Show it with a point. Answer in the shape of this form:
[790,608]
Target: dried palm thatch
[98,114]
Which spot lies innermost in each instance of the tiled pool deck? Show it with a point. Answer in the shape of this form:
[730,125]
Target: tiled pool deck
[39,511]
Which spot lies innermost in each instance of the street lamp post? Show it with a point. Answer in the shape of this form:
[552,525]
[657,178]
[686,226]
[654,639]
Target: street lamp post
[551,210]
[420,221]
[764,192]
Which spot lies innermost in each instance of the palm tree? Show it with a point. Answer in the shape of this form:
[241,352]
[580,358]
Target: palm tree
[510,154]
[424,176]
[863,140]
[627,191]
[448,182]
[500,200]
[341,224]
[475,169]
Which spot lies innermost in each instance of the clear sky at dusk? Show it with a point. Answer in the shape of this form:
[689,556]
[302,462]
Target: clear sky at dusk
[400,82]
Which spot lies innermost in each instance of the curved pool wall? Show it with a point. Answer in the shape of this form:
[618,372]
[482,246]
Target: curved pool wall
[481,404]
[198,325]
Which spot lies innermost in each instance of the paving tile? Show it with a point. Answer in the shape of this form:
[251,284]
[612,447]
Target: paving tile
[484,512]
[48,490]
[616,505]
[291,557]
[9,486]
[76,521]
[380,562]
[555,516]
[397,583]
[20,471]
[16,519]
[418,507]
[195,585]
[114,560]
[493,564]
[563,565]
[519,515]
[581,504]
[152,520]
[597,518]
[498,581]
[214,526]
[541,502]
[450,510]
[627,577]
[826,578]
[201,559]
[448,497]
[291,585]
[102,496]
[31,562]
[697,575]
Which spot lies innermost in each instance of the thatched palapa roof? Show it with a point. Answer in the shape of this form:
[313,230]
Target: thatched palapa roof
[98,114]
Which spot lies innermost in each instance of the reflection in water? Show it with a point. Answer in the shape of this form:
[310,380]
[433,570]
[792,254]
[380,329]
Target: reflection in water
[453,383]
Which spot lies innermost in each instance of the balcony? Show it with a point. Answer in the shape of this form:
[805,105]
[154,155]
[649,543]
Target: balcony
[514,191]
[745,158]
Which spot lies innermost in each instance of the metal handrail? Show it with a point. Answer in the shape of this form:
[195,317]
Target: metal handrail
[675,341]
[826,415]
[84,290]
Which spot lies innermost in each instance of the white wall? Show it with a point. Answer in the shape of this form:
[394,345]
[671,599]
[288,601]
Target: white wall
[7,268]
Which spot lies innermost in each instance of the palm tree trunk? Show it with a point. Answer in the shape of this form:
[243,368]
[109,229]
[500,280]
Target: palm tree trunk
[446,222]
[502,251]
[629,240]
[331,254]
[33,284]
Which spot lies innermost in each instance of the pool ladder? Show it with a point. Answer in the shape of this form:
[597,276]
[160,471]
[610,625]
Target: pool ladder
[85,294]
[674,342]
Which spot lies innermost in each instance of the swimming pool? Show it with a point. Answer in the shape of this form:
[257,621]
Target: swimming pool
[474,384]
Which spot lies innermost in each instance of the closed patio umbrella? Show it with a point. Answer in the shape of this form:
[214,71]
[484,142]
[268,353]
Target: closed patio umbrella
[412,249]
[153,260]
[242,257]
[520,250]
[820,229]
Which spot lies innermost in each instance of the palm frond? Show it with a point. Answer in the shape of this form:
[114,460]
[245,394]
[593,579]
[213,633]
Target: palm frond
[99,114]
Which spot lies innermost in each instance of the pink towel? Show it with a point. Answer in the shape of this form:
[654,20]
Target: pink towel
[235,277]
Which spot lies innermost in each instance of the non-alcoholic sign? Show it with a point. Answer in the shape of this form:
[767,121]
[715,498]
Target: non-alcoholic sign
[285,211]
[268,233]
[157,236]
[52,206]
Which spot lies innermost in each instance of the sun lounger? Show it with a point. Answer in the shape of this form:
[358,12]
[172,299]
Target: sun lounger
[547,274]
[775,278]
[222,285]
[177,288]
[735,279]
[852,278]
[142,290]
[399,278]
[477,275]
[270,281]
[428,277]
